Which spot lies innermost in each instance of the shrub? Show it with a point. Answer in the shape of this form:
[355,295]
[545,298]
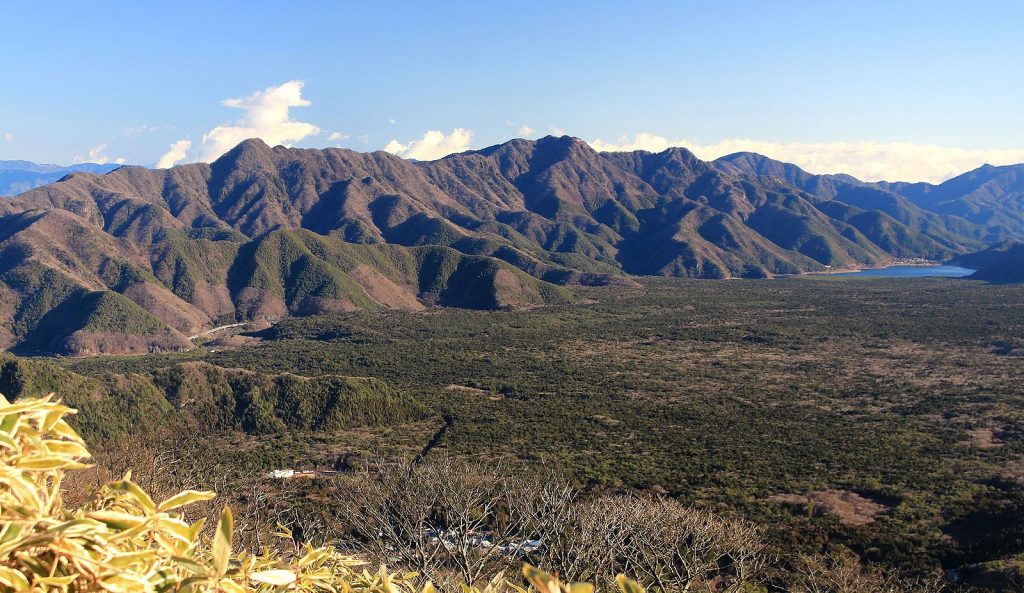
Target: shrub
[121,540]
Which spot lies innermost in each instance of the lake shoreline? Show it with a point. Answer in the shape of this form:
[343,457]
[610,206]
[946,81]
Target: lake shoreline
[916,269]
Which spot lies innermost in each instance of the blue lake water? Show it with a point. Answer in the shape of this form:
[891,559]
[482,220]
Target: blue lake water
[912,272]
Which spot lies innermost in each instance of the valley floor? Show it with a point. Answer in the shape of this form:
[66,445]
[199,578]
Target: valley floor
[883,414]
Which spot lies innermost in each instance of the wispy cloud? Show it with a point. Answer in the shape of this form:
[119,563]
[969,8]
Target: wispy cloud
[96,156]
[525,131]
[337,137]
[133,131]
[8,136]
[433,145]
[869,161]
[176,154]
[266,116]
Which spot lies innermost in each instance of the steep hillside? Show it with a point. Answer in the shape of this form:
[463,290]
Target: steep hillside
[301,273]
[266,232]
[1003,264]
[200,395]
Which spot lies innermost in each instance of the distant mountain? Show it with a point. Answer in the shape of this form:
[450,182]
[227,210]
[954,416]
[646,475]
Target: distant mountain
[849,198]
[265,232]
[20,176]
[1001,264]
[989,196]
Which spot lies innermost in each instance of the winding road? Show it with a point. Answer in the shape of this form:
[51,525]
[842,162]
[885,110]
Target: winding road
[215,330]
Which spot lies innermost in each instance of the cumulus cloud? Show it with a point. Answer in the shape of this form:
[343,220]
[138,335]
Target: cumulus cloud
[265,116]
[96,156]
[433,145]
[868,161]
[337,137]
[525,131]
[177,154]
[8,136]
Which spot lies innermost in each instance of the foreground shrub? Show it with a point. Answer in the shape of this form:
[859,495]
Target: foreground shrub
[449,518]
[121,540]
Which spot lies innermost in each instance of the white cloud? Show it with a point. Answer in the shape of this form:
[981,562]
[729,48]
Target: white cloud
[266,117]
[8,136]
[525,131]
[392,121]
[96,156]
[337,137]
[134,131]
[177,153]
[559,131]
[868,161]
[433,145]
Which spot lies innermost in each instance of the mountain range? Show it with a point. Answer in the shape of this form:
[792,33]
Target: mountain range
[20,176]
[137,259]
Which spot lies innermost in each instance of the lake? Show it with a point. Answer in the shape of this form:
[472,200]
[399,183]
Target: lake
[912,272]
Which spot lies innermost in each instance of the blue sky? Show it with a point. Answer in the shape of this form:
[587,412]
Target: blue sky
[882,89]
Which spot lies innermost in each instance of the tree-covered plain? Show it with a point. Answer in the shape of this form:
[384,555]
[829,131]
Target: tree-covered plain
[880,415]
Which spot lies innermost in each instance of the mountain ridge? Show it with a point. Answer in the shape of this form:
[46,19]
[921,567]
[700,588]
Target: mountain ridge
[266,232]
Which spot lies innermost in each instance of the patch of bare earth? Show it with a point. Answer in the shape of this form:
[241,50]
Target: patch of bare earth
[231,342]
[383,290]
[848,507]
[92,343]
[985,438]
[465,389]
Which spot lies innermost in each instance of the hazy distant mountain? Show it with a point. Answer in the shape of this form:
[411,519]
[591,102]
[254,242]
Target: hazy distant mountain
[840,192]
[266,232]
[20,176]
[989,196]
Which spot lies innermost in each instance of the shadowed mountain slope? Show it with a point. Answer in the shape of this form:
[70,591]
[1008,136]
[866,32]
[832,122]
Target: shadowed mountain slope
[1002,264]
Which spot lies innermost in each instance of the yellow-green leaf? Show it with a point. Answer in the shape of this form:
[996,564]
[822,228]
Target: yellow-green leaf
[276,577]
[137,493]
[117,520]
[184,498]
[13,578]
[222,542]
[627,585]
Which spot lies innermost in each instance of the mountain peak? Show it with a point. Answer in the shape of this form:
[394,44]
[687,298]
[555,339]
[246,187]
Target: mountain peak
[252,144]
[250,152]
